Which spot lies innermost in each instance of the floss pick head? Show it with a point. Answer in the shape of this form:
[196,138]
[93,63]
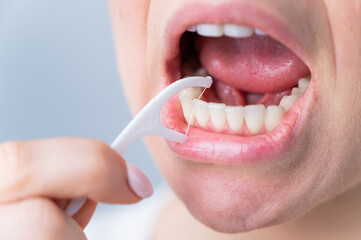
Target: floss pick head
[147,121]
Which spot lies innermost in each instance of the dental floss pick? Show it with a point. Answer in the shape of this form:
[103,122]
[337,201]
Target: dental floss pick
[147,122]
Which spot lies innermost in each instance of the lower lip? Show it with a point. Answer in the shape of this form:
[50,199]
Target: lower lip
[219,148]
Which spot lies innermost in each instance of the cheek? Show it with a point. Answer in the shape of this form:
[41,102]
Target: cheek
[129,19]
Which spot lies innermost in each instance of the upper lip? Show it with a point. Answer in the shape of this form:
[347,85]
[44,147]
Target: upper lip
[247,14]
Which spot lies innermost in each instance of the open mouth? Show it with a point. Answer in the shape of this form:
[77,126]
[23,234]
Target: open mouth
[256,79]
[260,90]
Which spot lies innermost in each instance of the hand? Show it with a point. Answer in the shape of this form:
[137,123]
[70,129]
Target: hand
[37,179]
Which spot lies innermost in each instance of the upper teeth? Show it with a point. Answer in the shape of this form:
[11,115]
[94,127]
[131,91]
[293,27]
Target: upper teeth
[232,118]
[229,30]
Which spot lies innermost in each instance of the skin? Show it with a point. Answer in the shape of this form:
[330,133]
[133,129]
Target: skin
[313,197]
[37,179]
[322,171]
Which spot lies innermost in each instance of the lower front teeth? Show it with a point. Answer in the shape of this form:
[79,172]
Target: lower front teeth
[232,118]
[255,115]
[218,115]
[235,117]
[187,106]
[201,112]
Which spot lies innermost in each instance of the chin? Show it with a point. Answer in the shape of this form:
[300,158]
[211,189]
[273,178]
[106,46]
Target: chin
[229,201]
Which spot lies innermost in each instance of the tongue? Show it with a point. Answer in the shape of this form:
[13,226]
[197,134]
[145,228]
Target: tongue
[257,64]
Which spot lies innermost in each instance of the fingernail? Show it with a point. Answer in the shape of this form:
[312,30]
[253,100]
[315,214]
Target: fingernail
[138,182]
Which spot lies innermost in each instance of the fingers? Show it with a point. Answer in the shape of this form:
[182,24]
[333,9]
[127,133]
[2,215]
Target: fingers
[83,216]
[37,219]
[66,168]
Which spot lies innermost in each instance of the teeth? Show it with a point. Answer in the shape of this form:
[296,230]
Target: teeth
[304,82]
[260,32]
[201,112]
[229,30]
[218,115]
[210,30]
[201,72]
[191,93]
[192,29]
[274,115]
[288,101]
[236,31]
[297,91]
[255,116]
[187,107]
[235,117]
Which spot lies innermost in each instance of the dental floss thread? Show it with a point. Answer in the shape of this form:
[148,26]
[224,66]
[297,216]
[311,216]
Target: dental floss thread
[191,117]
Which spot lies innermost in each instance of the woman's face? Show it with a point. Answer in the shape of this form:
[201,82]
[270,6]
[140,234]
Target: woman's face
[235,177]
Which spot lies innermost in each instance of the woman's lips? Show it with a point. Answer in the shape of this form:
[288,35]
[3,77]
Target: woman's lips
[220,148]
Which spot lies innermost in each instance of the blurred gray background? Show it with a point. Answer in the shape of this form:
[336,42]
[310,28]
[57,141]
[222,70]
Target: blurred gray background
[58,75]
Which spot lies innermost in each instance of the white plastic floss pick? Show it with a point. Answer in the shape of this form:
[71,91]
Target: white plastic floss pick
[147,122]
